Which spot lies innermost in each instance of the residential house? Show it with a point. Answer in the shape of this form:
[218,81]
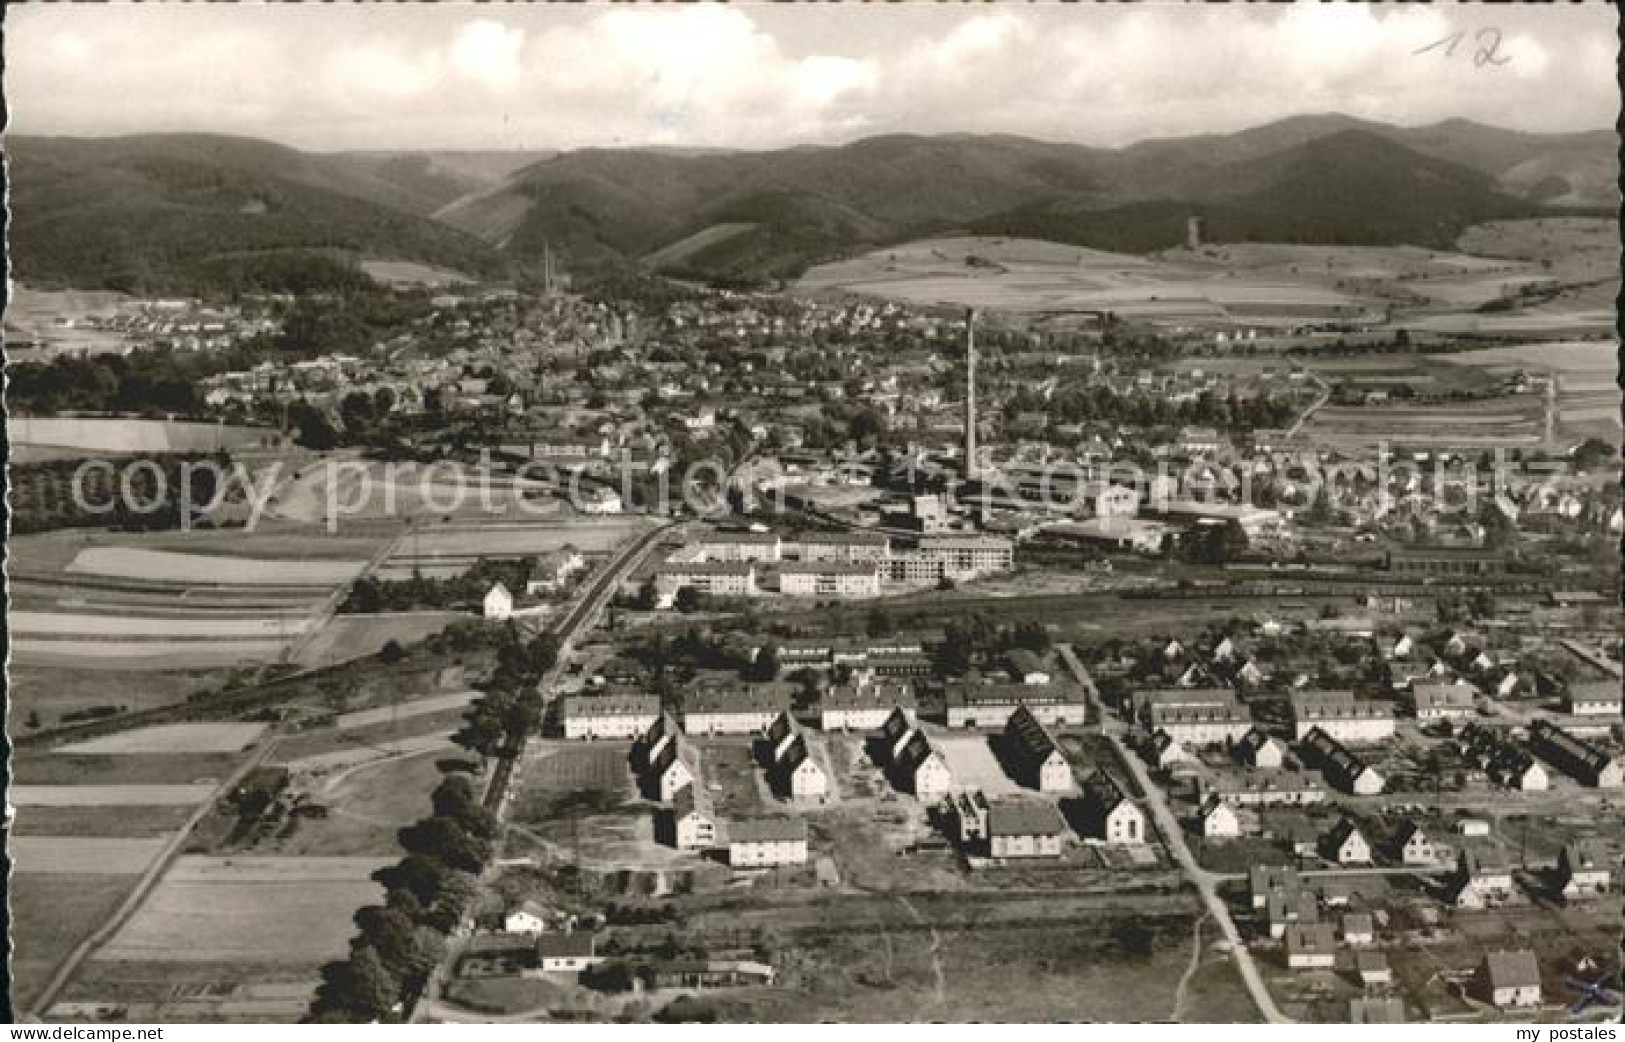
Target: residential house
[1358,929]
[1218,820]
[1259,749]
[1431,702]
[1341,767]
[690,823]
[734,708]
[1038,761]
[1346,844]
[1587,763]
[1024,828]
[1311,946]
[923,768]
[976,702]
[566,952]
[767,842]
[1483,876]
[498,604]
[799,773]
[1108,814]
[1592,698]
[1341,715]
[1372,968]
[1414,846]
[865,706]
[620,715]
[1585,869]
[1510,978]
[672,770]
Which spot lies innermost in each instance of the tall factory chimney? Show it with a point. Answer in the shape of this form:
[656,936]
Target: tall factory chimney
[970,394]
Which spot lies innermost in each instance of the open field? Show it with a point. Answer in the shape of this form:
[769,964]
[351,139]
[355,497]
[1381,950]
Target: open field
[417,707]
[1022,275]
[366,807]
[1507,421]
[108,821]
[248,910]
[40,767]
[108,795]
[412,274]
[187,600]
[165,566]
[42,693]
[50,914]
[173,738]
[118,435]
[349,757]
[345,637]
[360,492]
[82,855]
[49,624]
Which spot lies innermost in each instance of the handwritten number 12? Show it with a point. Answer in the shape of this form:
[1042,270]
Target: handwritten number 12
[1489,41]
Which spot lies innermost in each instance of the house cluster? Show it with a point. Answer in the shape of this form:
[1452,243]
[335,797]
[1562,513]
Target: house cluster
[669,770]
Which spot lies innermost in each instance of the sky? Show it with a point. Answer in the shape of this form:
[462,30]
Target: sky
[753,75]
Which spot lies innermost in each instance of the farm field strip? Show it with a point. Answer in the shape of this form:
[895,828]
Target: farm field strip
[385,714]
[109,795]
[172,738]
[83,855]
[170,566]
[199,868]
[34,623]
[154,654]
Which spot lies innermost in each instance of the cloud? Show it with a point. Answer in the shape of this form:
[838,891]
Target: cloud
[763,76]
[489,53]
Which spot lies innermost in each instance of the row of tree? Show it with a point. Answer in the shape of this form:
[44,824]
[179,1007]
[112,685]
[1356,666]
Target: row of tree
[400,942]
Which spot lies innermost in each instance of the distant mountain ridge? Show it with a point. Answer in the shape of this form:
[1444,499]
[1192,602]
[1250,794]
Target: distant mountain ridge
[96,211]
[187,212]
[1315,178]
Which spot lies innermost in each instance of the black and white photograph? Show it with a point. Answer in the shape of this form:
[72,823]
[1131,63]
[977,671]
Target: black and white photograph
[802,513]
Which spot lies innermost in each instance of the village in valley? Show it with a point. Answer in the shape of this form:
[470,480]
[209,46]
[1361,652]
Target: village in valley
[1071,598]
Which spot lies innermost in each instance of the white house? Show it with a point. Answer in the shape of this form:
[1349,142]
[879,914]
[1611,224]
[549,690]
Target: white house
[498,603]
[1219,820]
[767,842]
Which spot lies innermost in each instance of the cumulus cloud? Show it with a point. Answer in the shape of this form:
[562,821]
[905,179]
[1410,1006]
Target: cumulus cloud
[568,76]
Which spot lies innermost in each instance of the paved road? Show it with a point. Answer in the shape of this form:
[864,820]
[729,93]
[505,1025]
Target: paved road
[1206,883]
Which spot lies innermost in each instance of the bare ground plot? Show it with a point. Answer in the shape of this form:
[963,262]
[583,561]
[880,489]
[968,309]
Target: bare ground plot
[109,795]
[180,738]
[577,803]
[974,766]
[739,789]
[379,737]
[82,855]
[249,909]
[50,915]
